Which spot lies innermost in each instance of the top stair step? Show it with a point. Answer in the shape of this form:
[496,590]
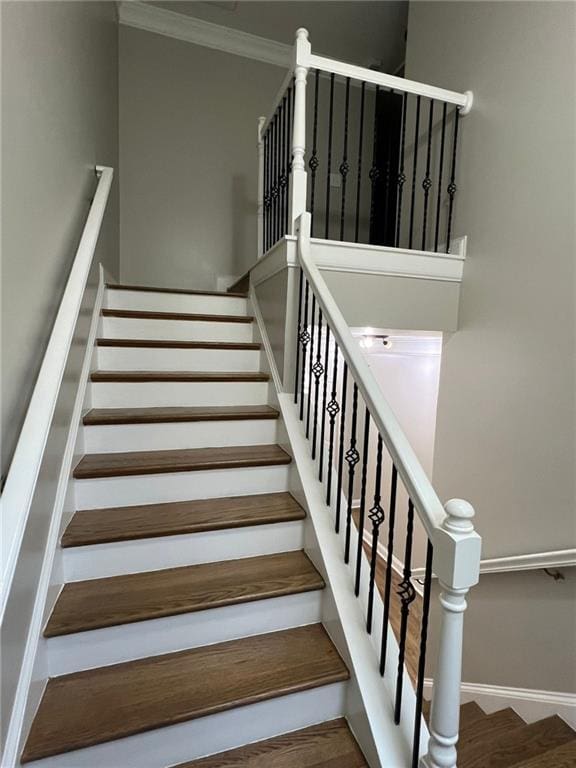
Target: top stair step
[327,745]
[107,703]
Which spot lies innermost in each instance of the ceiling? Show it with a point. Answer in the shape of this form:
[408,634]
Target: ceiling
[365,33]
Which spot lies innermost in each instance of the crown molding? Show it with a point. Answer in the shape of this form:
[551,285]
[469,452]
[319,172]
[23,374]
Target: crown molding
[204,33]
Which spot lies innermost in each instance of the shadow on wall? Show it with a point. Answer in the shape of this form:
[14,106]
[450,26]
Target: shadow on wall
[244,223]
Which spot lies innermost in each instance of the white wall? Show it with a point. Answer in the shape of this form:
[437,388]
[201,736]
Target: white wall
[188,122]
[506,417]
[59,119]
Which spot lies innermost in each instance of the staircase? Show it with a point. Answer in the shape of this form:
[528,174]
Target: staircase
[504,740]
[189,623]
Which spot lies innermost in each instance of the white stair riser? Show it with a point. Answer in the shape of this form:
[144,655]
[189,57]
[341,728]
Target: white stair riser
[157,359]
[212,734]
[166,436]
[150,394]
[143,555]
[178,486]
[186,330]
[175,302]
[112,645]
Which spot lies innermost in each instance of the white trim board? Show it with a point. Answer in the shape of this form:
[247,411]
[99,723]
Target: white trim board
[191,30]
[564,558]
[336,256]
[531,705]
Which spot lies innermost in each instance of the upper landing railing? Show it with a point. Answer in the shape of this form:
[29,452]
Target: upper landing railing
[371,157]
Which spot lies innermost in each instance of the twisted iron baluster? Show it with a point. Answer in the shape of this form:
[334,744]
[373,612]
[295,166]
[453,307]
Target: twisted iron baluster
[304,339]
[389,559]
[452,186]
[324,398]
[352,458]
[283,183]
[376,515]
[362,514]
[298,332]
[407,594]
[313,163]
[333,409]
[414,171]
[422,657]
[440,170]
[344,167]
[317,370]
[401,175]
[359,179]
[374,173]
[341,446]
[310,365]
[427,182]
[267,196]
[329,157]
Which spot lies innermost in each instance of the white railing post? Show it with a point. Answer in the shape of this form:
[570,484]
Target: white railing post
[457,565]
[260,203]
[302,52]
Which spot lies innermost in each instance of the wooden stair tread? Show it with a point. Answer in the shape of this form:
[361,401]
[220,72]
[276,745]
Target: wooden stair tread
[470,713]
[100,416]
[100,705]
[489,727]
[86,605]
[327,745]
[561,757]
[178,344]
[147,314]
[96,526]
[191,376]
[153,289]
[519,744]
[126,463]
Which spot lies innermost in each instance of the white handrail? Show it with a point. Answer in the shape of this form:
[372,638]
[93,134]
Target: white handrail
[26,462]
[416,482]
[462,100]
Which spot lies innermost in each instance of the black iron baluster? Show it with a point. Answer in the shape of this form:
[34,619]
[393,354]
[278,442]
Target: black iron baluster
[427,182]
[304,339]
[407,594]
[298,332]
[274,177]
[283,173]
[324,397]
[376,516]
[341,446]
[401,175]
[359,179]
[278,172]
[452,185]
[362,515]
[374,173]
[414,171]
[387,171]
[267,190]
[422,657]
[352,458]
[310,364]
[288,159]
[344,167]
[389,558]
[440,171]
[329,157]
[333,409]
[313,163]
[317,370]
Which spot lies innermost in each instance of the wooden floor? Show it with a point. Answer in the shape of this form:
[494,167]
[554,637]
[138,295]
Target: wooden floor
[97,526]
[328,745]
[85,605]
[95,465]
[108,703]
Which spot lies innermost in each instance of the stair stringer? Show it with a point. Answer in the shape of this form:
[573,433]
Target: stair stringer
[369,701]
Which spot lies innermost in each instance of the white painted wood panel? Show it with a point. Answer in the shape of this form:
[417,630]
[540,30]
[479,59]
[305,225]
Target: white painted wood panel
[156,393]
[166,436]
[162,359]
[158,301]
[137,556]
[178,486]
[190,330]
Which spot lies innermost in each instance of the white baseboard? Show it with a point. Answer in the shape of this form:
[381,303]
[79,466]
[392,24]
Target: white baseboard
[530,704]
[28,691]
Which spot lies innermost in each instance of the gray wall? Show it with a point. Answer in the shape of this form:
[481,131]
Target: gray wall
[505,429]
[59,118]
[188,121]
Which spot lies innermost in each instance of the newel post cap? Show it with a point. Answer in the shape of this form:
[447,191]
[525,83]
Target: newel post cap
[302,33]
[459,516]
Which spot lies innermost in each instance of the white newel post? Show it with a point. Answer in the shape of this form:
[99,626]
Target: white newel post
[298,193]
[260,204]
[457,565]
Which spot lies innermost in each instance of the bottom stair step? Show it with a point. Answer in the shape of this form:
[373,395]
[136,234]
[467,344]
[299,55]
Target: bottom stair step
[99,705]
[328,745]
